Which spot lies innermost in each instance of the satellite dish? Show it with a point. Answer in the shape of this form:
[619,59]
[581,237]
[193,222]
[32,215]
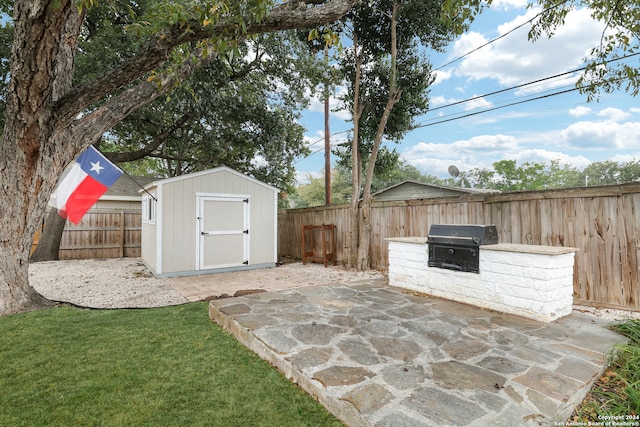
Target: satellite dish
[453,171]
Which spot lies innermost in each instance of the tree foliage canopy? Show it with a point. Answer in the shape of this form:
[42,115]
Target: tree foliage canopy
[240,109]
[52,113]
[421,28]
[312,192]
[620,39]
[507,175]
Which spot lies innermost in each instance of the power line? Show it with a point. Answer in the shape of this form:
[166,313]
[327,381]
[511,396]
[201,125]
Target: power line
[497,108]
[486,110]
[456,60]
[479,110]
[322,139]
[321,149]
[499,37]
[508,89]
[474,98]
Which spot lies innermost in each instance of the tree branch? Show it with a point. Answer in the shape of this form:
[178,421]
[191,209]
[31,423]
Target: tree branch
[90,127]
[159,47]
[116,109]
[148,149]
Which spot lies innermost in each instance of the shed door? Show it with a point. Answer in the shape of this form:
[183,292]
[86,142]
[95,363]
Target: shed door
[223,231]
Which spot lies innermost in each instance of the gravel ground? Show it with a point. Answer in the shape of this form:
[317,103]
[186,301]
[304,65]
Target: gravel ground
[102,283]
[127,283]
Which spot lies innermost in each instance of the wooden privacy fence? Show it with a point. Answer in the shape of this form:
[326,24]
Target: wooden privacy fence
[102,234]
[601,221]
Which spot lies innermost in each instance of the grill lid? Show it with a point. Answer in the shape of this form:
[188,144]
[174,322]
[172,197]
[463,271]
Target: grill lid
[462,234]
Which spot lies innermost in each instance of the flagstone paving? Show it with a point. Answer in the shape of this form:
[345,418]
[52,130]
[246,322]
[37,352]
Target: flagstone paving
[375,355]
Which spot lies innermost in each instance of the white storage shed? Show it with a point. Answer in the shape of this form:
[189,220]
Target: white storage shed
[206,222]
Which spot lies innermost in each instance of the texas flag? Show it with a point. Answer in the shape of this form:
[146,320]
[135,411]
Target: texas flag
[89,178]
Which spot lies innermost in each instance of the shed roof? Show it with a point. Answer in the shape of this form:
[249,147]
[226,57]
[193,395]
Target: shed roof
[160,182]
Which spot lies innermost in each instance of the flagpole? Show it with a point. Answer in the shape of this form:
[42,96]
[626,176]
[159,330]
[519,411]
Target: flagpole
[138,184]
[130,177]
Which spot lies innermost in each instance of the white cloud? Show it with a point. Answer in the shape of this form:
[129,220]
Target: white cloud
[624,158]
[468,42]
[477,103]
[439,100]
[605,135]
[508,4]
[514,60]
[487,144]
[580,111]
[439,167]
[539,155]
[482,152]
[441,76]
[302,177]
[484,143]
[336,108]
[614,114]
[477,152]
[570,145]
[316,141]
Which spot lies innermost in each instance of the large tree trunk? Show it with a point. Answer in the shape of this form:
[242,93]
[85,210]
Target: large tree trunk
[356,165]
[43,130]
[364,223]
[48,248]
[31,157]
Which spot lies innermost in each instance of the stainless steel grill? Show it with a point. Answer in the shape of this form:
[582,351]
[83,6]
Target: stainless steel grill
[457,247]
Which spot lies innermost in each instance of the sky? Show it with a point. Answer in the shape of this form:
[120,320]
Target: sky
[565,127]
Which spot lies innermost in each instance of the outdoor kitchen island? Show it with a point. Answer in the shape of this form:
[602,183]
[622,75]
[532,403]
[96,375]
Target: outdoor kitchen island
[531,281]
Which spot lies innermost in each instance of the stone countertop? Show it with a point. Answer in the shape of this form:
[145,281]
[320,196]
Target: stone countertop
[504,247]
[415,240]
[530,249]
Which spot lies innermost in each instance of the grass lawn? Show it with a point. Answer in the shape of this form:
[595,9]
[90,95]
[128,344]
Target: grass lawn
[169,366]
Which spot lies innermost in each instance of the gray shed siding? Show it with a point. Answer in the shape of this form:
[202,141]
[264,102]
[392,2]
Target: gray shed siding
[148,247]
[176,234]
[178,230]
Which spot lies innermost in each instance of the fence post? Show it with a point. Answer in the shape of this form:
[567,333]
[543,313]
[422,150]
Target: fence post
[122,236]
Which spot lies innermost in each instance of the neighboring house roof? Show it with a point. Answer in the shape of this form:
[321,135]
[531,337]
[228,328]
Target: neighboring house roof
[408,190]
[127,187]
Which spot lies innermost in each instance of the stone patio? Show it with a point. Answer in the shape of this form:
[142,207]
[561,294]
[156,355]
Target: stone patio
[375,355]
